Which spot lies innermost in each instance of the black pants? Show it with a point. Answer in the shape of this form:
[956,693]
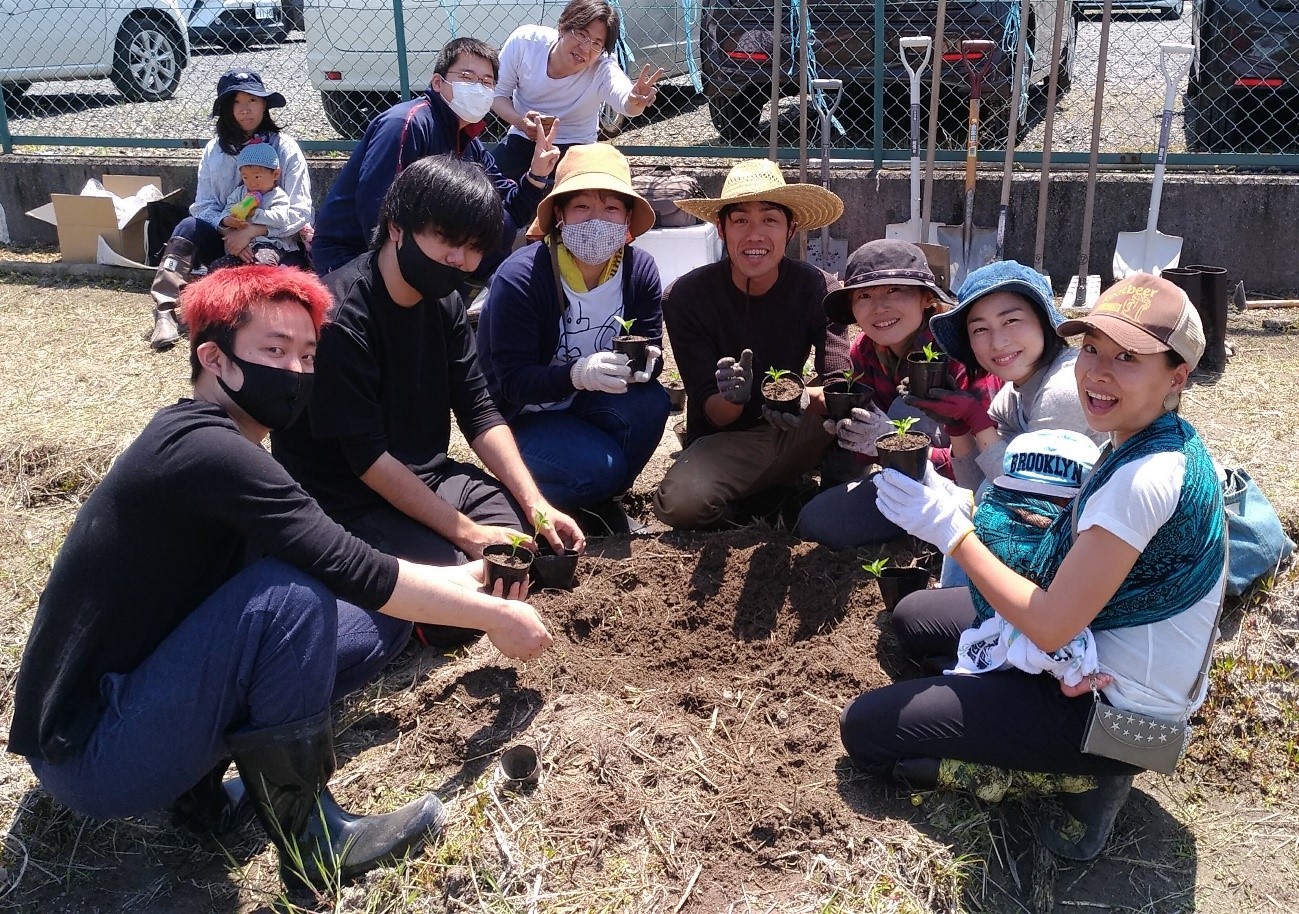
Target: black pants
[1009,719]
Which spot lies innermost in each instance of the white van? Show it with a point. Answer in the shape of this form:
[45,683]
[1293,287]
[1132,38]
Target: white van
[352,46]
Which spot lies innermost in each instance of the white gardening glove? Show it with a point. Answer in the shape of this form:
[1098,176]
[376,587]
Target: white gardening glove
[860,432]
[606,372]
[936,480]
[652,356]
[934,514]
[735,379]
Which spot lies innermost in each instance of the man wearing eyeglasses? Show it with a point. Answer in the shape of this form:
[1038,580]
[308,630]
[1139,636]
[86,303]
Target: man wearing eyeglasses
[566,73]
[447,118]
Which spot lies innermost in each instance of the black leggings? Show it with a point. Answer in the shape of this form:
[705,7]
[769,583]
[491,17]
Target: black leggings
[1009,719]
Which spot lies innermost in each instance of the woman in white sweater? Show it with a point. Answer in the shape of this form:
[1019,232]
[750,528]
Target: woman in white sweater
[567,73]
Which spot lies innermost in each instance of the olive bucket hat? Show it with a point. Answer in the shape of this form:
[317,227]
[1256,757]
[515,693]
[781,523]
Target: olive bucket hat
[882,263]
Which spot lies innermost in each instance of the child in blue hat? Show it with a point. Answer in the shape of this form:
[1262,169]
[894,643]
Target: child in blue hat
[259,201]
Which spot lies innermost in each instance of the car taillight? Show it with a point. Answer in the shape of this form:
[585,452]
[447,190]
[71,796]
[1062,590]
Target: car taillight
[957,56]
[1255,82]
[749,56]
[334,75]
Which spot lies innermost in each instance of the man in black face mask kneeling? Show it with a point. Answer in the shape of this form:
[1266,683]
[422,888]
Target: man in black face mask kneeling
[137,690]
[396,359]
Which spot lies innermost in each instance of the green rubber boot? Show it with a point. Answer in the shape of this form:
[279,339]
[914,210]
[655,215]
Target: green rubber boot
[987,782]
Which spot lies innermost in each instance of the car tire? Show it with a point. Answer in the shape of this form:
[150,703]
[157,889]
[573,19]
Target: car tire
[13,96]
[147,61]
[1064,80]
[610,122]
[736,116]
[349,113]
[1173,13]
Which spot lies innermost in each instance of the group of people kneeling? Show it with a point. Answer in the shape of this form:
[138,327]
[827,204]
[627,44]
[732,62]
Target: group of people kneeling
[296,575]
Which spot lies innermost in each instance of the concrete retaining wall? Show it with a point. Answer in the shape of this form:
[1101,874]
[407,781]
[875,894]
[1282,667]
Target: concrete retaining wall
[1233,221]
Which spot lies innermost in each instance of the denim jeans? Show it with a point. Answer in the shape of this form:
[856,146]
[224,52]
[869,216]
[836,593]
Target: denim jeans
[257,653]
[210,244]
[594,449]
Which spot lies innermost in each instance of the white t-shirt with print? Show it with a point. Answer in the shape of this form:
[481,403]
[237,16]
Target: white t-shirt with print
[1154,665]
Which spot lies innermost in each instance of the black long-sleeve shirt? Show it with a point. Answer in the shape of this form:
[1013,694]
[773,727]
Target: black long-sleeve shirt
[388,378]
[178,515]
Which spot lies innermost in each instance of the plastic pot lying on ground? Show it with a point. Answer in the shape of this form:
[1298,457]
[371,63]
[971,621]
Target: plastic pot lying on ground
[924,373]
[633,347]
[676,395]
[841,398]
[507,563]
[554,570]
[896,583]
[907,453]
[784,394]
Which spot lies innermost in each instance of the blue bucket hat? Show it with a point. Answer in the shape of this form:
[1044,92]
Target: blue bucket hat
[262,154]
[1003,276]
[249,81]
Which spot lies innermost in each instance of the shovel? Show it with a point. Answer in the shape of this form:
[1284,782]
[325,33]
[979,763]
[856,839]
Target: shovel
[1085,288]
[971,247]
[829,254]
[1012,129]
[1152,251]
[910,230]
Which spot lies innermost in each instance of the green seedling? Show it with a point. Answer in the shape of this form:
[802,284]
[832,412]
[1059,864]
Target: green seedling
[852,377]
[775,374]
[625,325]
[876,567]
[516,541]
[931,352]
[672,377]
[903,425]
[539,523]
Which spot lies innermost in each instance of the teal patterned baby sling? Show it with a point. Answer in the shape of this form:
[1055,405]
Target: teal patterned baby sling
[1183,560]
[1012,525]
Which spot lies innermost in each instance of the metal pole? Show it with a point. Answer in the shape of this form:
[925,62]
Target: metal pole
[399,30]
[877,102]
[802,112]
[774,133]
[935,89]
[6,140]
[1052,88]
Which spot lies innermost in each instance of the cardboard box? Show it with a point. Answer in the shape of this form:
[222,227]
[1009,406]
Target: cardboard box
[81,219]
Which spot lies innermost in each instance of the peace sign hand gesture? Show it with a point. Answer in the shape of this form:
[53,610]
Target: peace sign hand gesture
[643,92]
[545,155]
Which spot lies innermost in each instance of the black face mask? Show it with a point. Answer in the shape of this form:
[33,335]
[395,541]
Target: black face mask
[433,280]
[273,397]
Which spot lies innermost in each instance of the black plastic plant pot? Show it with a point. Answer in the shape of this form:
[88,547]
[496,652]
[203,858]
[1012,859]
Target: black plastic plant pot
[896,583]
[633,347]
[520,766]
[784,395]
[676,396]
[841,399]
[503,562]
[907,453]
[552,570]
[922,374]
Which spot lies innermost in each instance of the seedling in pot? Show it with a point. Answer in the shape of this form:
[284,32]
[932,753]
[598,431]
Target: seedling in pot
[843,394]
[507,562]
[896,582]
[634,347]
[876,568]
[549,568]
[904,450]
[676,390]
[783,391]
[925,369]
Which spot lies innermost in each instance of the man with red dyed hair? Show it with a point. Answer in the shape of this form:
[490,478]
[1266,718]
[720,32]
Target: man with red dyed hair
[134,695]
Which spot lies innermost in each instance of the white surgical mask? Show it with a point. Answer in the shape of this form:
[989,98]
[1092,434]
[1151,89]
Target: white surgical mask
[594,241]
[471,101]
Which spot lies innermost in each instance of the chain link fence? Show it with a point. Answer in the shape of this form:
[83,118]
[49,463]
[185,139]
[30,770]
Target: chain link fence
[142,73]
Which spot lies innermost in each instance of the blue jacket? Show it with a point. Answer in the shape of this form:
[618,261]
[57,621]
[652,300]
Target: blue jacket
[518,332]
[424,126]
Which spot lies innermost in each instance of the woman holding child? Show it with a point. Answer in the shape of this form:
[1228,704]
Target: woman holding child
[586,422]
[242,109]
[1138,559]
[891,293]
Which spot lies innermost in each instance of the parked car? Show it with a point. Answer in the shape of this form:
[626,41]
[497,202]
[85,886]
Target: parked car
[352,47]
[1133,10]
[237,24]
[1243,94]
[736,47]
[141,45]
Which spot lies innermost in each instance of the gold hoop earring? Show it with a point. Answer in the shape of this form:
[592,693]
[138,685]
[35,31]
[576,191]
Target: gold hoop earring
[1172,400]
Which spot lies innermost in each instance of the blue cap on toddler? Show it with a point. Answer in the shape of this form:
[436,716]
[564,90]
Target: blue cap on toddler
[1049,462]
[262,154]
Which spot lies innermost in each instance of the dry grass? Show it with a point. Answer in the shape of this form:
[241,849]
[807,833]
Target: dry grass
[625,790]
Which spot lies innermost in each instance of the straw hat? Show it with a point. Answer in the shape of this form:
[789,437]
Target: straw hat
[760,179]
[595,166]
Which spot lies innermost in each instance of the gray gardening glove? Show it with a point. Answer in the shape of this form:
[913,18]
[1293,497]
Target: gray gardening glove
[860,432]
[735,379]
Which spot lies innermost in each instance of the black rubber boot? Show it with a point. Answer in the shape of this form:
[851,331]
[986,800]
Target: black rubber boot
[1215,299]
[285,770]
[214,807]
[174,270]
[1088,819]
